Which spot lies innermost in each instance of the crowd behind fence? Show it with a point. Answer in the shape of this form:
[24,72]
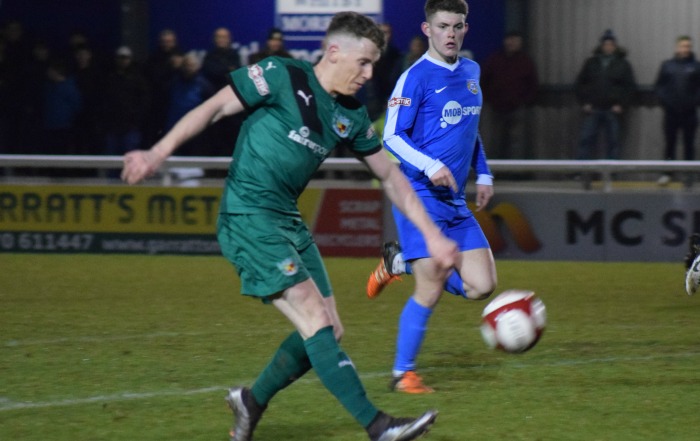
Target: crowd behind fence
[69,98]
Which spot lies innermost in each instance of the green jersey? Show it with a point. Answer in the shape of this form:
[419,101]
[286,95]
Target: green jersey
[292,126]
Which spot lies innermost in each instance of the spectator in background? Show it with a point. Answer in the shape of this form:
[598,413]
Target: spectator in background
[77,39]
[124,106]
[33,94]
[88,77]
[274,46]
[221,59]
[161,70]
[18,46]
[386,71]
[17,56]
[62,102]
[416,48]
[4,98]
[678,89]
[605,86]
[509,82]
[188,90]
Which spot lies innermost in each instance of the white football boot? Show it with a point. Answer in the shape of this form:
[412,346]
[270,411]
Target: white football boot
[692,277]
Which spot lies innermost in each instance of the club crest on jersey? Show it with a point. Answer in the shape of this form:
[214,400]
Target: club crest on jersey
[256,73]
[473,86]
[288,267]
[341,125]
[399,101]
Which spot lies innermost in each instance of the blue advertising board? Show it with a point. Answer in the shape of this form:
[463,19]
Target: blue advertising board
[303,21]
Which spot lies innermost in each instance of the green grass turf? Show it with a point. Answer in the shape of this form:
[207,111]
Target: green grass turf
[129,348]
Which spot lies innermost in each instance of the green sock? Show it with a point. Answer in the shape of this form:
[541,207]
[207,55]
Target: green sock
[288,364]
[338,374]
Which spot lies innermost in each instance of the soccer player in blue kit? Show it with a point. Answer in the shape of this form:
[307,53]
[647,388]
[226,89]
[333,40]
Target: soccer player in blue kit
[432,128]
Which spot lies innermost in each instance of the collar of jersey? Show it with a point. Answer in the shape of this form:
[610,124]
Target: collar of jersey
[451,67]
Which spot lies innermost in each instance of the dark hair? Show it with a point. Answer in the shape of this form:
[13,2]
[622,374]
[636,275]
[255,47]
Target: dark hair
[358,25]
[683,38]
[275,33]
[608,35]
[434,6]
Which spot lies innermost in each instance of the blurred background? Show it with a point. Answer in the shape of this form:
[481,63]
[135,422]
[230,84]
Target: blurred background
[557,35]
[566,84]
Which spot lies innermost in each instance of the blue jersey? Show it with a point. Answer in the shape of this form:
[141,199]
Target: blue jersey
[433,121]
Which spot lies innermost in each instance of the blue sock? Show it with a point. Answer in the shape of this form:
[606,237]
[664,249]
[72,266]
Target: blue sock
[412,326]
[408,268]
[455,285]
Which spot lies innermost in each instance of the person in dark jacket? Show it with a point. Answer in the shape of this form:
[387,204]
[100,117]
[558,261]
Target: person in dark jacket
[221,59]
[386,71]
[509,82]
[273,47]
[61,106]
[161,70]
[188,90]
[678,89]
[88,77]
[125,105]
[605,86]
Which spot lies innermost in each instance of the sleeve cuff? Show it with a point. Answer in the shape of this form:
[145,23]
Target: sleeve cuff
[433,168]
[484,180]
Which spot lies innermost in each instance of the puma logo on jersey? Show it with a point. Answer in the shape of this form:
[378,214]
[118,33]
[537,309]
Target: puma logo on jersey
[270,65]
[305,97]
[343,363]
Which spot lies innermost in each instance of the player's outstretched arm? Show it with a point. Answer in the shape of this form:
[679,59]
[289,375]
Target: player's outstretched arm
[399,191]
[140,164]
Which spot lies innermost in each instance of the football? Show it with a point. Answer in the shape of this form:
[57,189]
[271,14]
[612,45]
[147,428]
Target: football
[513,321]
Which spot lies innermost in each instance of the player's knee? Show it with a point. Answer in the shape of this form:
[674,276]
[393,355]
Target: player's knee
[338,331]
[480,291]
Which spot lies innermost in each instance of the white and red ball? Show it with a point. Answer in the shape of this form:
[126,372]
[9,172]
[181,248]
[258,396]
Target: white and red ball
[513,321]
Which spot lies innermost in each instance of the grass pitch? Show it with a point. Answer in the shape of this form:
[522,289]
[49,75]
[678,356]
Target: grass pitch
[130,348]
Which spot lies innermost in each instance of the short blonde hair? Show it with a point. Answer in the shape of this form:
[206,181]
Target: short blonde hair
[356,25]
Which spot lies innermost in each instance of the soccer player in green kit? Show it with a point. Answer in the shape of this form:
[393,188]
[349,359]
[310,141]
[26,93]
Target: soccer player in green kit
[297,114]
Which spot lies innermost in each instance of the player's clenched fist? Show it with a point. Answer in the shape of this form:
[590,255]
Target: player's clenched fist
[443,250]
[443,177]
[140,164]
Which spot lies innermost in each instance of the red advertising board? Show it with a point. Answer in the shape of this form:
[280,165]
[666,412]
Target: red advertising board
[349,223]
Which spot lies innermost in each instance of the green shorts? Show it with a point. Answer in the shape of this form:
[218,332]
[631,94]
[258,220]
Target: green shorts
[271,253]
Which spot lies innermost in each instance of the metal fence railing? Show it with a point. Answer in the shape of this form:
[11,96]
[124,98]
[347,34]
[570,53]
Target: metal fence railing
[604,170]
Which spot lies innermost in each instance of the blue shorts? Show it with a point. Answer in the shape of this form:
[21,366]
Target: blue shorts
[455,222]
